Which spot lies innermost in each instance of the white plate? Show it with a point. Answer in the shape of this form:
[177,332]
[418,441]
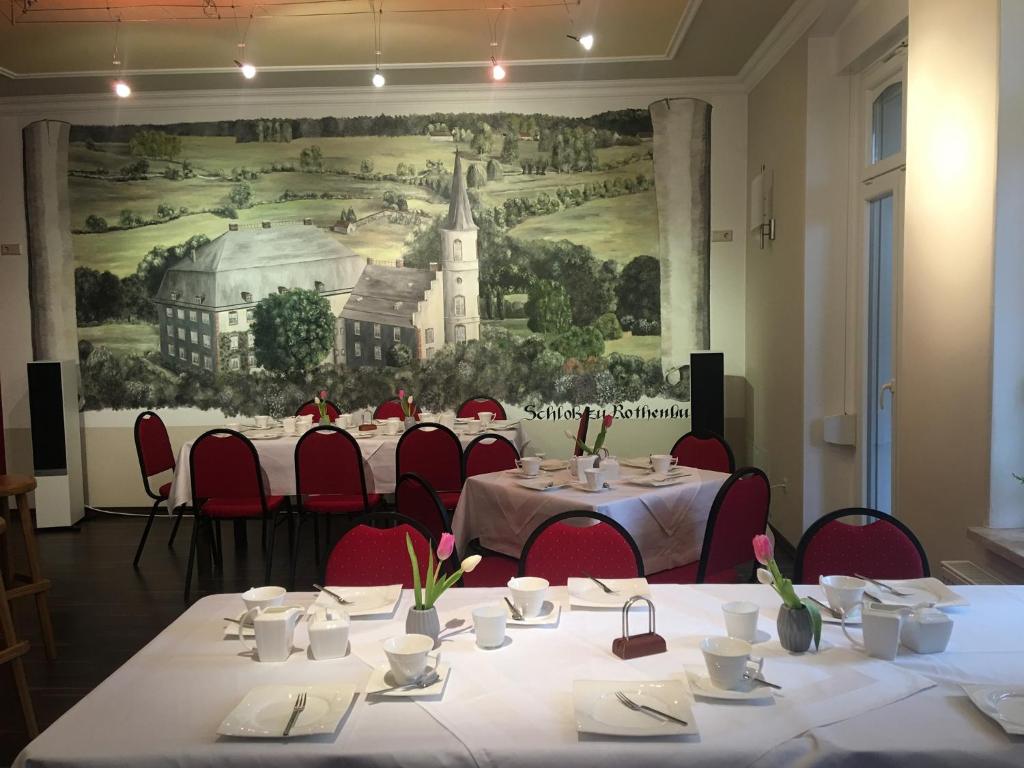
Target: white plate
[520,473]
[599,711]
[365,434]
[928,590]
[264,435]
[1004,704]
[265,710]
[553,465]
[659,481]
[550,613]
[542,484]
[465,420]
[364,601]
[382,684]
[584,593]
[587,489]
[701,685]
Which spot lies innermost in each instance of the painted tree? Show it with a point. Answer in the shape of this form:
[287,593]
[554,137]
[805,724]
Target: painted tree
[547,308]
[636,297]
[494,170]
[510,147]
[293,331]
[482,142]
[475,177]
[95,223]
[241,195]
[311,159]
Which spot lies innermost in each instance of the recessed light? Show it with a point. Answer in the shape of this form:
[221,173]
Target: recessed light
[378,80]
[122,89]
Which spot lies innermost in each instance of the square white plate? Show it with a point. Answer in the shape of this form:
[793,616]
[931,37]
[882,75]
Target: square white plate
[265,710]
[599,711]
[927,590]
[583,593]
[364,601]
[659,481]
[382,684]
[1004,704]
[701,685]
[550,613]
[542,484]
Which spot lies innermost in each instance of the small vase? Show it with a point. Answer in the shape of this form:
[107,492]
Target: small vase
[410,421]
[423,622]
[325,419]
[795,628]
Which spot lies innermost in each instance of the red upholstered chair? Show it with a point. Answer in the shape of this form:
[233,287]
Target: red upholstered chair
[489,453]
[433,452]
[329,480]
[883,549]
[472,408]
[368,556]
[391,409]
[309,408]
[738,513]
[704,450]
[153,446]
[558,549]
[581,431]
[227,484]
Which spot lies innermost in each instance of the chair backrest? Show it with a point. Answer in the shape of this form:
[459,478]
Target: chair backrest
[472,408]
[434,453]
[392,408]
[368,556]
[416,500]
[489,453]
[309,408]
[224,465]
[153,447]
[738,514]
[704,450]
[883,549]
[580,542]
[581,431]
[328,460]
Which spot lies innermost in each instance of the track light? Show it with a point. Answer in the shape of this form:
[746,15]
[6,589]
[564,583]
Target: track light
[497,71]
[587,41]
[122,89]
[378,79]
[248,70]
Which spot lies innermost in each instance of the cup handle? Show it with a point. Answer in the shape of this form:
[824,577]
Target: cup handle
[754,666]
[519,463]
[856,644]
[247,618]
[437,663]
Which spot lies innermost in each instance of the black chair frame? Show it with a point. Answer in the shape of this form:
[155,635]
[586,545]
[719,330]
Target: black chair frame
[430,425]
[479,439]
[469,400]
[716,506]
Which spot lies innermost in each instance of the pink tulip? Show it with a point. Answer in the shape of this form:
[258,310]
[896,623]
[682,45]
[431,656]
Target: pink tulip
[607,420]
[401,394]
[763,549]
[446,546]
[323,394]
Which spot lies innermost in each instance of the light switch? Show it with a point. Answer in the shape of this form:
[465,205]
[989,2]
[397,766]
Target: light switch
[721,236]
[10,249]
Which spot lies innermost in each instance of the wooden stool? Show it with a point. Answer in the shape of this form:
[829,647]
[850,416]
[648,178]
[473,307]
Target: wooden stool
[12,652]
[19,487]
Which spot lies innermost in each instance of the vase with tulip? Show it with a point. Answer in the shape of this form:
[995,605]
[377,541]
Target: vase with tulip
[799,620]
[422,617]
[320,401]
[597,449]
[408,408]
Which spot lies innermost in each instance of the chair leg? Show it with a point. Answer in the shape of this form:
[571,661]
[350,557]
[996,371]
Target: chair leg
[269,552]
[316,540]
[178,514]
[145,533]
[196,522]
[294,549]
[218,553]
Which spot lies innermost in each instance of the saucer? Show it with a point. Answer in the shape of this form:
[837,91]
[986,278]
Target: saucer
[1004,704]
[702,686]
[599,711]
[381,683]
[587,489]
[542,485]
[550,613]
[519,473]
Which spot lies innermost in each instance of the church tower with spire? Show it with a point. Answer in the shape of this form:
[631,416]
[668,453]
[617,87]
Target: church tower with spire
[460,267]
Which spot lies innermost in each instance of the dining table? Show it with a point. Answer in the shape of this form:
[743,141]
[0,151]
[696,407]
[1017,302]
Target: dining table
[665,518]
[515,705]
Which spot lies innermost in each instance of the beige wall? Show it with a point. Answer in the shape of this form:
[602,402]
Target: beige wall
[776,120]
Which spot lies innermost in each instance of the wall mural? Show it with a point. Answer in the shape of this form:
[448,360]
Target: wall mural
[242,264]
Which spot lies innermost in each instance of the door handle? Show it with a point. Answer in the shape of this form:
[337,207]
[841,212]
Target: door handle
[889,385]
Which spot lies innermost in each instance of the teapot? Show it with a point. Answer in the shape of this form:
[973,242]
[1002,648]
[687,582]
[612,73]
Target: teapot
[880,625]
[926,630]
[274,628]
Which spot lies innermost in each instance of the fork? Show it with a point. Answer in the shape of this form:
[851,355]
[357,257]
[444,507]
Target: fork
[300,704]
[341,600]
[882,585]
[607,590]
[630,704]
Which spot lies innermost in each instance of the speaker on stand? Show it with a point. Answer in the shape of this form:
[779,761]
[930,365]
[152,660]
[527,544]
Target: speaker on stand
[707,392]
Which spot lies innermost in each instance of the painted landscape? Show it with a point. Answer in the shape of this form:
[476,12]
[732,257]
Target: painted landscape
[567,244]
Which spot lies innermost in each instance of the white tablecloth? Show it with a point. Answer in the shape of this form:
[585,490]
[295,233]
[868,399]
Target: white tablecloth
[277,458]
[667,523]
[513,707]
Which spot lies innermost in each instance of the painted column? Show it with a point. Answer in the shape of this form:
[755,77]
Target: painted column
[51,262]
[682,177]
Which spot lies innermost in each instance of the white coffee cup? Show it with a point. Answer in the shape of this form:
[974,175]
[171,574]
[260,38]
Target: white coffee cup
[529,465]
[728,661]
[594,478]
[741,620]
[288,425]
[489,625]
[844,593]
[262,422]
[390,427]
[528,594]
[485,417]
[328,633]
[407,656]
[661,463]
[342,421]
[263,597]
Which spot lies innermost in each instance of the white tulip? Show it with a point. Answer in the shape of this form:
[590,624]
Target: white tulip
[470,563]
[764,576]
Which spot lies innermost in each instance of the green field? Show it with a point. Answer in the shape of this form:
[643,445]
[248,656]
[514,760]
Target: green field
[647,347]
[617,228]
[123,337]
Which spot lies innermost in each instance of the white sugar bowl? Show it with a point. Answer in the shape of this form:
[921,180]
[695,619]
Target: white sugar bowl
[926,630]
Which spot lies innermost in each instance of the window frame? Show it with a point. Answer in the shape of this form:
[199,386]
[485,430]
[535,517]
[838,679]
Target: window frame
[873,82]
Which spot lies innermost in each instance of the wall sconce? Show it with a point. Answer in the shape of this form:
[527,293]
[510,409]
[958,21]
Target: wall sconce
[761,205]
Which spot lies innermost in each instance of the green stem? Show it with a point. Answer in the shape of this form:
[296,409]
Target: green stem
[417,594]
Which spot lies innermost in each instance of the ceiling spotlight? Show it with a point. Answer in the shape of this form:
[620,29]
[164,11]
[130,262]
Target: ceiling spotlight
[248,70]
[497,71]
[586,41]
[122,89]
[378,79]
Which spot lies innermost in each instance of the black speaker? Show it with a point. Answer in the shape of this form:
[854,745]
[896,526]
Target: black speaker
[46,411]
[707,392]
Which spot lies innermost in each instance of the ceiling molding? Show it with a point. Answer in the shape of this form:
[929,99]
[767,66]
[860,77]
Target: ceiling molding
[783,36]
[685,21]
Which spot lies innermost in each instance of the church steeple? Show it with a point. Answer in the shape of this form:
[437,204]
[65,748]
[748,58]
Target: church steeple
[460,217]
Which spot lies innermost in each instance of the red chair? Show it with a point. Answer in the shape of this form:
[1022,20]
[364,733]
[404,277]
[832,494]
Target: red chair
[416,500]
[392,408]
[704,450]
[472,408]
[581,431]
[489,453]
[433,452]
[153,446]
[330,479]
[368,556]
[738,513]
[558,549]
[227,484]
[882,549]
[309,408]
